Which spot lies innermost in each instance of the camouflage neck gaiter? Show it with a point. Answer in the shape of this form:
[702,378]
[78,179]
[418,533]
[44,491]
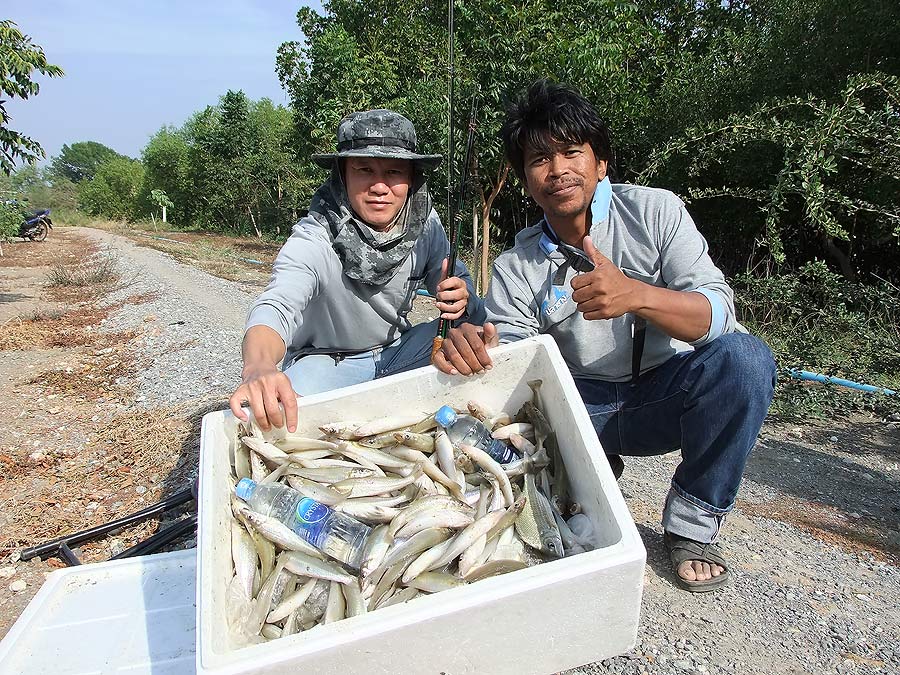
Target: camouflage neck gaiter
[369,256]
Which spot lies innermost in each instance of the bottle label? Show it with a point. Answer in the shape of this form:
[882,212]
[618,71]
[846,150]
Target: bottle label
[501,452]
[310,516]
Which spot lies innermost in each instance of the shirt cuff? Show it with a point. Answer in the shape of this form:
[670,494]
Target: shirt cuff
[719,317]
[266,315]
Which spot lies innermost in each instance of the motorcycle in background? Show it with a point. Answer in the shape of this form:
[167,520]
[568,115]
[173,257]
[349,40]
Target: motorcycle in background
[37,225]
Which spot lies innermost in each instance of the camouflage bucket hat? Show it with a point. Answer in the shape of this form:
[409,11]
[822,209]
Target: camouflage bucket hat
[377,133]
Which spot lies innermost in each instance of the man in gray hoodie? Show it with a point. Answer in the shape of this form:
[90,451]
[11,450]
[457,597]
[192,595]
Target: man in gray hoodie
[335,311]
[621,278]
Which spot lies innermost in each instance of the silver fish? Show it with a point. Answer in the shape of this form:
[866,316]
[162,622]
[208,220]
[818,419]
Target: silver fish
[368,487]
[493,568]
[536,524]
[420,442]
[435,519]
[489,464]
[434,582]
[336,608]
[356,605]
[307,566]
[280,534]
[377,545]
[437,502]
[292,602]
[244,556]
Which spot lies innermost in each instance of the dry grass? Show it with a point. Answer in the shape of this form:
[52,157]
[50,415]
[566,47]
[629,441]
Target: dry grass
[96,376]
[91,273]
[153,449]
[220,255]
[62,245]
[75,327]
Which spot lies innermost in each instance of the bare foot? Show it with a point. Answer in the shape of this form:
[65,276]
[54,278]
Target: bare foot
[697,570]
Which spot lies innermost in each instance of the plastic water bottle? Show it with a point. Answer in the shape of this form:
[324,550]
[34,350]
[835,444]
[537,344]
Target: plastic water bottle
[467,430]
[339,536]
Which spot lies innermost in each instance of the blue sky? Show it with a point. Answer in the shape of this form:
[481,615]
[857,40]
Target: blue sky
[132,67]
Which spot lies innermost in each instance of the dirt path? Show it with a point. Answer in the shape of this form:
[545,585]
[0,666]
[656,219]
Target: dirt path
[106,384]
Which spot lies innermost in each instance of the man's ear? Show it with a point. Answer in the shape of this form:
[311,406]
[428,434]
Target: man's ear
[602,166]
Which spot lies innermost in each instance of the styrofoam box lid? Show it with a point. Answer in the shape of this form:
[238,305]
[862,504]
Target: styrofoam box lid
[134,616]
[542,619]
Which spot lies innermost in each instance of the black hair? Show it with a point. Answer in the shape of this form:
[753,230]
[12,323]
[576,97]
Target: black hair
[549,113]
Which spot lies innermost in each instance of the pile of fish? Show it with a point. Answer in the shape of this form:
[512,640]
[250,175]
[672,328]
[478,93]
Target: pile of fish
[442,517]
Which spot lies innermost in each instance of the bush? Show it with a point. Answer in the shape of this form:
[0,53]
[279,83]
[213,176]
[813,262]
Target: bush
[113,191]
[10,220]
[816,320]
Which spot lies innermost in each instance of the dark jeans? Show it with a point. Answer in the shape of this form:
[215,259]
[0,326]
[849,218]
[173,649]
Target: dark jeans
[711,403]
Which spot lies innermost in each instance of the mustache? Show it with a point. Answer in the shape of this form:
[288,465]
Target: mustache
[562,184]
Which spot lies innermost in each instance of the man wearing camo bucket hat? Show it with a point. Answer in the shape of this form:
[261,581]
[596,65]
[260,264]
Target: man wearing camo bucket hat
[335,311]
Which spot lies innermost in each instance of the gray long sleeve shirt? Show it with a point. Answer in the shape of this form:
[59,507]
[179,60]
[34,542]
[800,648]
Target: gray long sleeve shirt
[650,236]
[310,303]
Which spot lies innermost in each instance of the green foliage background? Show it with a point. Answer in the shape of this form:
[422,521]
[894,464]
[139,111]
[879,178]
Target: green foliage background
[778,122]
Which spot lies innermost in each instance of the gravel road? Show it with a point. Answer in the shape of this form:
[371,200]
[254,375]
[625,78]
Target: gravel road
[814,542]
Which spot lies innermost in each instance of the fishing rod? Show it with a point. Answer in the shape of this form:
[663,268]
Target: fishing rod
[454,215]
[456,218]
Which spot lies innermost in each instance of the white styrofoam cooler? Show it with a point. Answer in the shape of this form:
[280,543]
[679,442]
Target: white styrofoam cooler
[134,616]
[543,619]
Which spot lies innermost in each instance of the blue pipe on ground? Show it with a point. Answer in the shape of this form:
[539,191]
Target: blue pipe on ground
[828,379]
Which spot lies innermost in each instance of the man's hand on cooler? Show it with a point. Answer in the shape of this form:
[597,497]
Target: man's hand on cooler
[263,387]
[452,295]
[464,351]
[605,293]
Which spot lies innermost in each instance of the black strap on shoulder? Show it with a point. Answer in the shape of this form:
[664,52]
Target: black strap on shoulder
[638,335]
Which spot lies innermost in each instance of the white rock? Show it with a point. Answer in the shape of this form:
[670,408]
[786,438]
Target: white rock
[7,572]
[18,586]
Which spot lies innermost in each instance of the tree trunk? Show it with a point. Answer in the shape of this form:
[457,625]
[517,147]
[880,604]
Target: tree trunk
[253,220]
[164,213]
[843,260]
[486,222]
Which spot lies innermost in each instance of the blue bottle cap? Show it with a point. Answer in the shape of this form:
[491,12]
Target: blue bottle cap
[445,416]
[245,488]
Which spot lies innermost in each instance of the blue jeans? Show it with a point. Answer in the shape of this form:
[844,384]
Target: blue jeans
[711,403]
[317,373]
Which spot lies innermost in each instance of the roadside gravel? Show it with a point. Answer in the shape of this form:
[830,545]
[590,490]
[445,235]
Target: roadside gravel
[190,334]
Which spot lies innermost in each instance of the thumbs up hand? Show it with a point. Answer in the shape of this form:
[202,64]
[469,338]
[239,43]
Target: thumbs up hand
[605,293]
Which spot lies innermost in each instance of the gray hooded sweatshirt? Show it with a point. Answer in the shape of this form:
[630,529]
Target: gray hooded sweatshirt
[650,236]
[311,303]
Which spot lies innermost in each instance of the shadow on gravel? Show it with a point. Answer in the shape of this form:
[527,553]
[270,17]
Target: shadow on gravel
[835,498]
[657,557]
[185,472]
[864,439]
[12,297]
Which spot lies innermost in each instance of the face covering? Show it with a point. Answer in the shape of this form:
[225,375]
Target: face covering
[369,256]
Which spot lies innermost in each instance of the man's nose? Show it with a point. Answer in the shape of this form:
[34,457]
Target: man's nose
[558,165]
[379,185]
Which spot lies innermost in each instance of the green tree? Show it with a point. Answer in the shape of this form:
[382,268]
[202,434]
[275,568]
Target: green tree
[501,47]
[10,220]
[834,186]
[114,190]
[167,167]
[80,161]
[19,59]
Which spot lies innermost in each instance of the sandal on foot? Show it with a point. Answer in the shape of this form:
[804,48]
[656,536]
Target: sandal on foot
[681,549]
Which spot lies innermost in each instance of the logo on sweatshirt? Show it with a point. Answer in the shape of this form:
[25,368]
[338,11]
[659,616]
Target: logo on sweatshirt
[554,300]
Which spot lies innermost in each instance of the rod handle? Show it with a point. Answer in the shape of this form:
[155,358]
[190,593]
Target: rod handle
[436,346]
